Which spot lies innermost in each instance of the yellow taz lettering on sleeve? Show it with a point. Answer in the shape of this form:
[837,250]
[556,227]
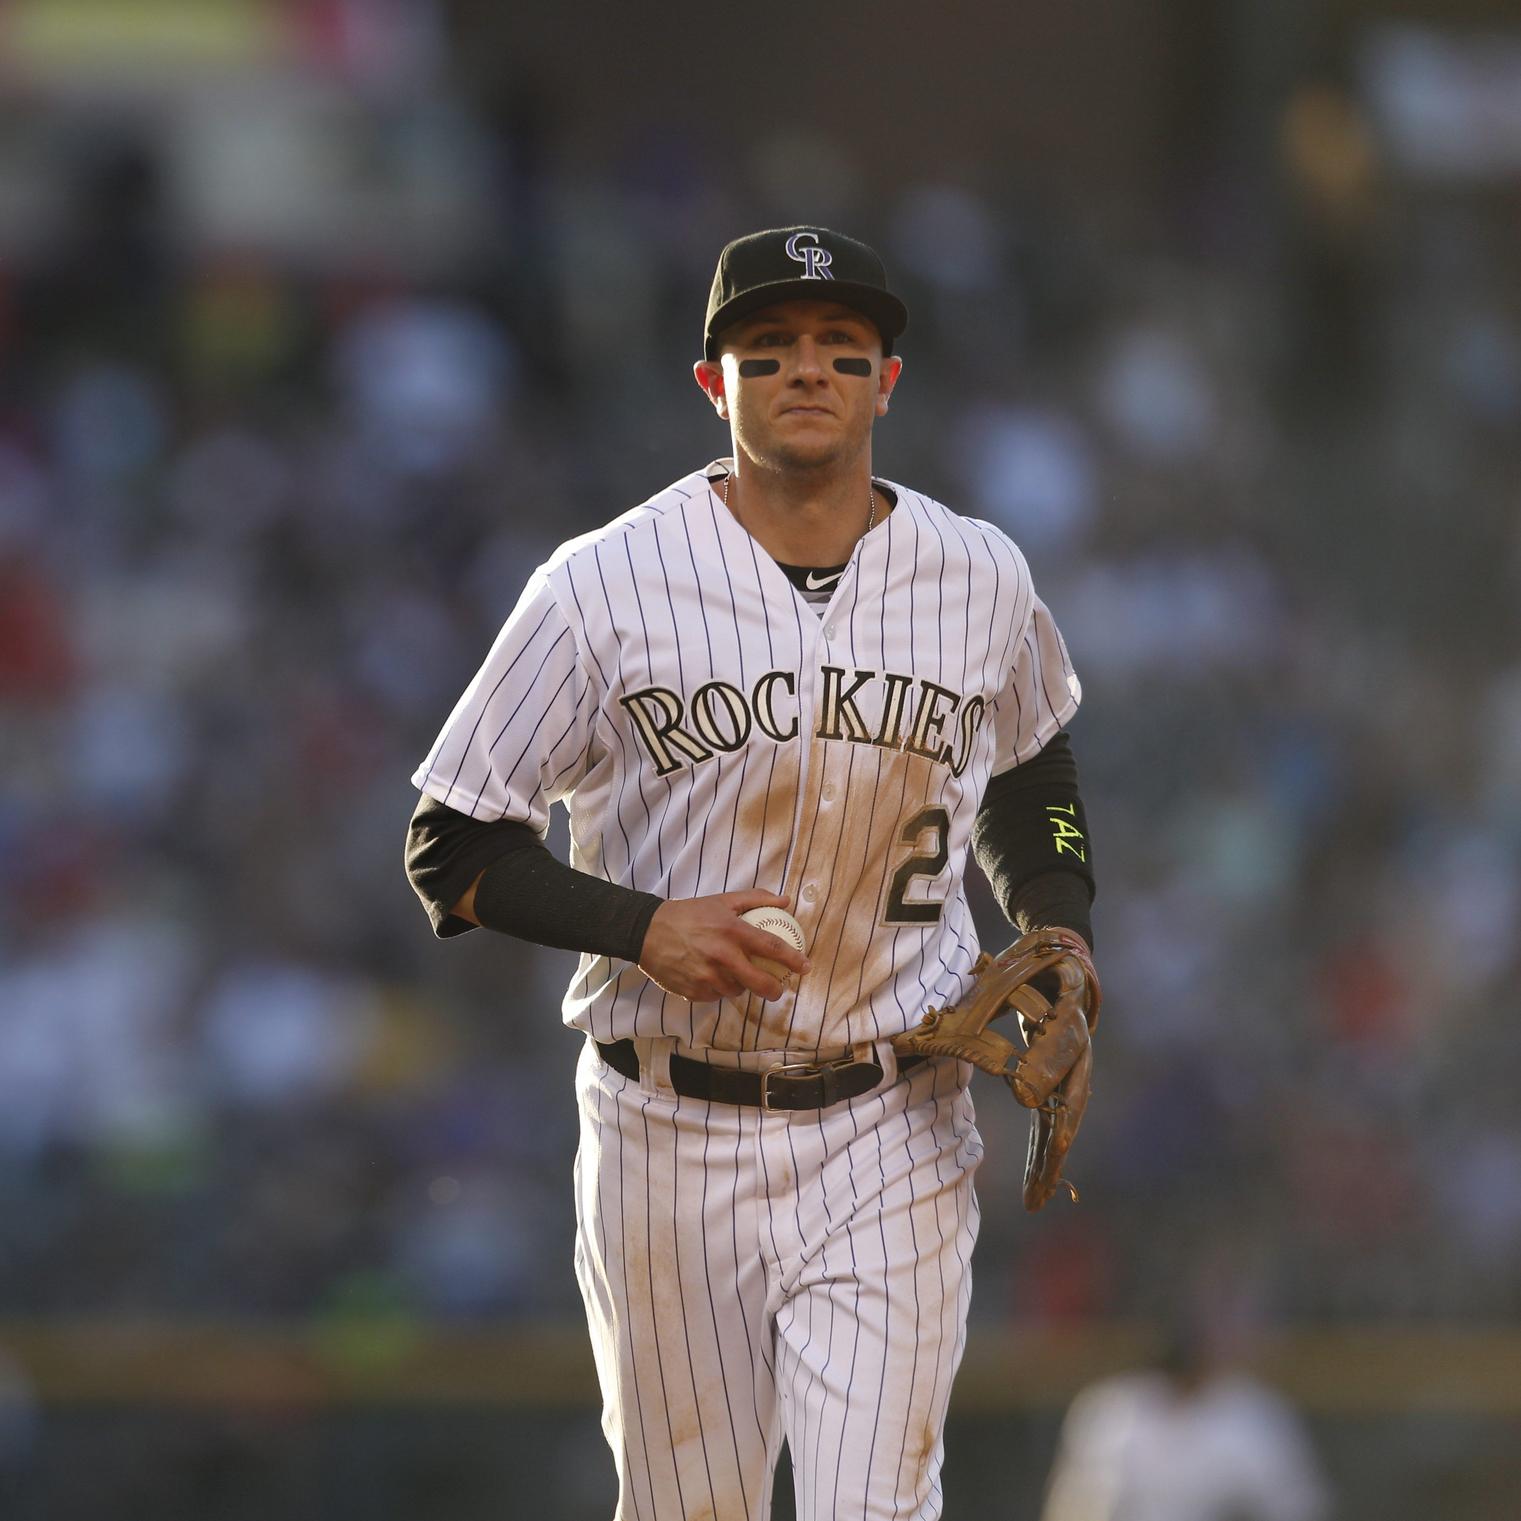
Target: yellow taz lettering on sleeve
[1065,834]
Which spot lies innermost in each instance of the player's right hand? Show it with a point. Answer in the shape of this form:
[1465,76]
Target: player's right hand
[700,949]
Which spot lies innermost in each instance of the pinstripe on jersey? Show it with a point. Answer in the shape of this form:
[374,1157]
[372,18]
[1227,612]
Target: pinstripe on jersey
[711,731]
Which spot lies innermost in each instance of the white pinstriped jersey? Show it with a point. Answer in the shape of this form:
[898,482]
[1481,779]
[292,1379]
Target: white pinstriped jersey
[709,731]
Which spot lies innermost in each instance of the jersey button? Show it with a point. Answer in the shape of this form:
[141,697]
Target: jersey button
[828,793]
[830,632]
[810,893]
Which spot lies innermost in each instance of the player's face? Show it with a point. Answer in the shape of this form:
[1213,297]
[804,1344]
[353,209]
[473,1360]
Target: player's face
[801,383]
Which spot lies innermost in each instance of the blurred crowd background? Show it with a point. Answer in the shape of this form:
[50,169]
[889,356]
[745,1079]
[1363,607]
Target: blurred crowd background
[323,321]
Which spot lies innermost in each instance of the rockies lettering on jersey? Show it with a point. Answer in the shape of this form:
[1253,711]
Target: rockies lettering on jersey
[659,715]
[708,730]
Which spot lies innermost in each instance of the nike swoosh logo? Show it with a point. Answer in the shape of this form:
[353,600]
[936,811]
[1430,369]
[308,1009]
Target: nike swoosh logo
[822,582]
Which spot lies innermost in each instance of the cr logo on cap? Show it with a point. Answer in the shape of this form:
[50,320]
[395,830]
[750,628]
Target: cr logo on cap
[815,260]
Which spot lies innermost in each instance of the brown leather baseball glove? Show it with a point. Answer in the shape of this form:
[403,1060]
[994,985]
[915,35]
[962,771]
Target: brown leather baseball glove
[1047,976]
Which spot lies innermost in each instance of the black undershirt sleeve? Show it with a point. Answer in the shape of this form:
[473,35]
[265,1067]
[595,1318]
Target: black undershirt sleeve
[1030,838]
[525,889]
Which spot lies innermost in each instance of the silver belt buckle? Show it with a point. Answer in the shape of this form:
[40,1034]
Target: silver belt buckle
[798,1069]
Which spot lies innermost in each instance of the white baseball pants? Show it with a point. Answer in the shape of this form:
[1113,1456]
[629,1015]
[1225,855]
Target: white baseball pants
[752,1276]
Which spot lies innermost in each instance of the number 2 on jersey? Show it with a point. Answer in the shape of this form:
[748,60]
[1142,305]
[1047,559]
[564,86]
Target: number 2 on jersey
[931,863]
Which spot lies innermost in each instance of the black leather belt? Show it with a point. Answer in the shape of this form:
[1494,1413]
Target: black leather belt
[789,1085]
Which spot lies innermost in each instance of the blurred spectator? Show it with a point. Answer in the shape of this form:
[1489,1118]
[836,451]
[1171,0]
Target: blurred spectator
[427,380]
[1031,471]
[1191,1439]
[1331,167]
[20,1427]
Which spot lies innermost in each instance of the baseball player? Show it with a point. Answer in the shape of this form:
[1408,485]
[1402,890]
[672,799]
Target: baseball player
[1198,1437]
[780,682]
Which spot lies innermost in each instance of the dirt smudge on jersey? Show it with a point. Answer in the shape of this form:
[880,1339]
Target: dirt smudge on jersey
[772,818]
[856,946]
[763,821]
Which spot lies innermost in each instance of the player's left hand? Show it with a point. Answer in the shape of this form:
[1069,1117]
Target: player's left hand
[1048,976]
[700,949]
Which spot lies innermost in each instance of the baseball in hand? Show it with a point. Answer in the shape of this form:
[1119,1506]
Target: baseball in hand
[778,922]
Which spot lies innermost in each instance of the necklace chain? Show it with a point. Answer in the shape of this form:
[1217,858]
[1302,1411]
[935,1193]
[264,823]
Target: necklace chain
[871,503]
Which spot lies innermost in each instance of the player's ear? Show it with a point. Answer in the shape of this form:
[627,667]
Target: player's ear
[887,378]
[710,377]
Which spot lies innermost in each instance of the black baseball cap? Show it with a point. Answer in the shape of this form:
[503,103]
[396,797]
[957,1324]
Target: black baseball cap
[800,264]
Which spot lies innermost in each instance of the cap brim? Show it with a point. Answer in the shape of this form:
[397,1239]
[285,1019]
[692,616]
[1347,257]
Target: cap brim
[885,310]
